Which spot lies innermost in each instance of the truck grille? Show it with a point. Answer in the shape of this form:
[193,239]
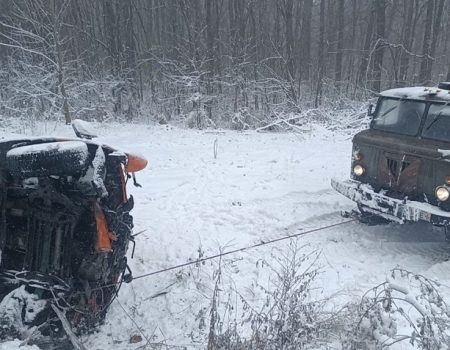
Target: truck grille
[397,167]
[399,173]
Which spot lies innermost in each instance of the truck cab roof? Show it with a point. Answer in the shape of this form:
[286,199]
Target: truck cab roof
[420,93]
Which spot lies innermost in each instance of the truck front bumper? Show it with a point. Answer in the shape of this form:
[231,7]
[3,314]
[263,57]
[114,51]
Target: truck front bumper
[390,208]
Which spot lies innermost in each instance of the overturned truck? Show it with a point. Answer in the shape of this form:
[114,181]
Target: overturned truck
[65,227]
[401,165]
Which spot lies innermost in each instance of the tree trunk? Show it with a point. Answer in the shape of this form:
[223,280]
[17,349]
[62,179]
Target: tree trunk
[362,73]
[408,39]
[305,41]
[288,22]
[110,32]
[217,42]
[380,6]
[331,36]
[435,37]
[321,58]
[425,65]
[255,60]
[340,43]
[209,55]
[351,66]
[60,62]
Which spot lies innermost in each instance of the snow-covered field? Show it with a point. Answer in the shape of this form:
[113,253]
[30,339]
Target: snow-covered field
[196,201]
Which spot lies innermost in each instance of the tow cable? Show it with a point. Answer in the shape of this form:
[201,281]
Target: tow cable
[238,250]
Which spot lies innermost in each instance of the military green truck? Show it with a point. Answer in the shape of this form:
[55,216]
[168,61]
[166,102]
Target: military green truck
[400,169]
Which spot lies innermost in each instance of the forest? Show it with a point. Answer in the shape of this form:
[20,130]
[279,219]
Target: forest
[213,63]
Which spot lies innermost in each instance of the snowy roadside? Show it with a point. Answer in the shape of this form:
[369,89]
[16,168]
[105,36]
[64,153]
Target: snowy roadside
[256,186]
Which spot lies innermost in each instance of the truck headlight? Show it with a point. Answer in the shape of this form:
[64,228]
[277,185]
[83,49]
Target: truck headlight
[358,170]
[442,193]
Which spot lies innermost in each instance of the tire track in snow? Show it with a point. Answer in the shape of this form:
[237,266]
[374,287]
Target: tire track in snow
[352,252]
[357,257]
[280,192]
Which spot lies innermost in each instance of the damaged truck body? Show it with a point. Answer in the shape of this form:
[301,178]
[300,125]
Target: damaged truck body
[401,165]
[65,227]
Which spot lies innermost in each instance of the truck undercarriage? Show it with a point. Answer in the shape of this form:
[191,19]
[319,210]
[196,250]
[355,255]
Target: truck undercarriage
[65,227]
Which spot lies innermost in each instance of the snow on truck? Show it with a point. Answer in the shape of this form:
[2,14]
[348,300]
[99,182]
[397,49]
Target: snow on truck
[401,165]
[65,227]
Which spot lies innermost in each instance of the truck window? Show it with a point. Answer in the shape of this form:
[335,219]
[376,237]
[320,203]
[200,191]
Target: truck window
[437,124]
[399,116]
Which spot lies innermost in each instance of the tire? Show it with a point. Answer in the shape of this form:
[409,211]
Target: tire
[51,158]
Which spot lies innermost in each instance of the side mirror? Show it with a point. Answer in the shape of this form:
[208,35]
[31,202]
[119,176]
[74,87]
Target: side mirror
[83,129]
[370,110]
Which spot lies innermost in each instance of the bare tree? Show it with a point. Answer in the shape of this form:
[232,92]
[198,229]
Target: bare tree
[321,54]
[362,73]
[340,41]
[380,10]
[410,8]
[40,39]
[217,58]
[305,40]
[425,66]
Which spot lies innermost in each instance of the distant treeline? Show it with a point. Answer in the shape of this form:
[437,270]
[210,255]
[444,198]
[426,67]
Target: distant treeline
[217,58]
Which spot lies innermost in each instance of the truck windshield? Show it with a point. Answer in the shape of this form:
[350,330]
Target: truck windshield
[399,116]
[437,125]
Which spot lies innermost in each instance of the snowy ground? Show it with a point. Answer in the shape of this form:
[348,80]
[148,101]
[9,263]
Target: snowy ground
[259,186]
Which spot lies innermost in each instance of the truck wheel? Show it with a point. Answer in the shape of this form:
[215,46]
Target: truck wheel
[51,158]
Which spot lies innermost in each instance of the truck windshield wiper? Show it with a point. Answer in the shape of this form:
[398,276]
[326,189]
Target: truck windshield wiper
[435,119]
[387,112]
